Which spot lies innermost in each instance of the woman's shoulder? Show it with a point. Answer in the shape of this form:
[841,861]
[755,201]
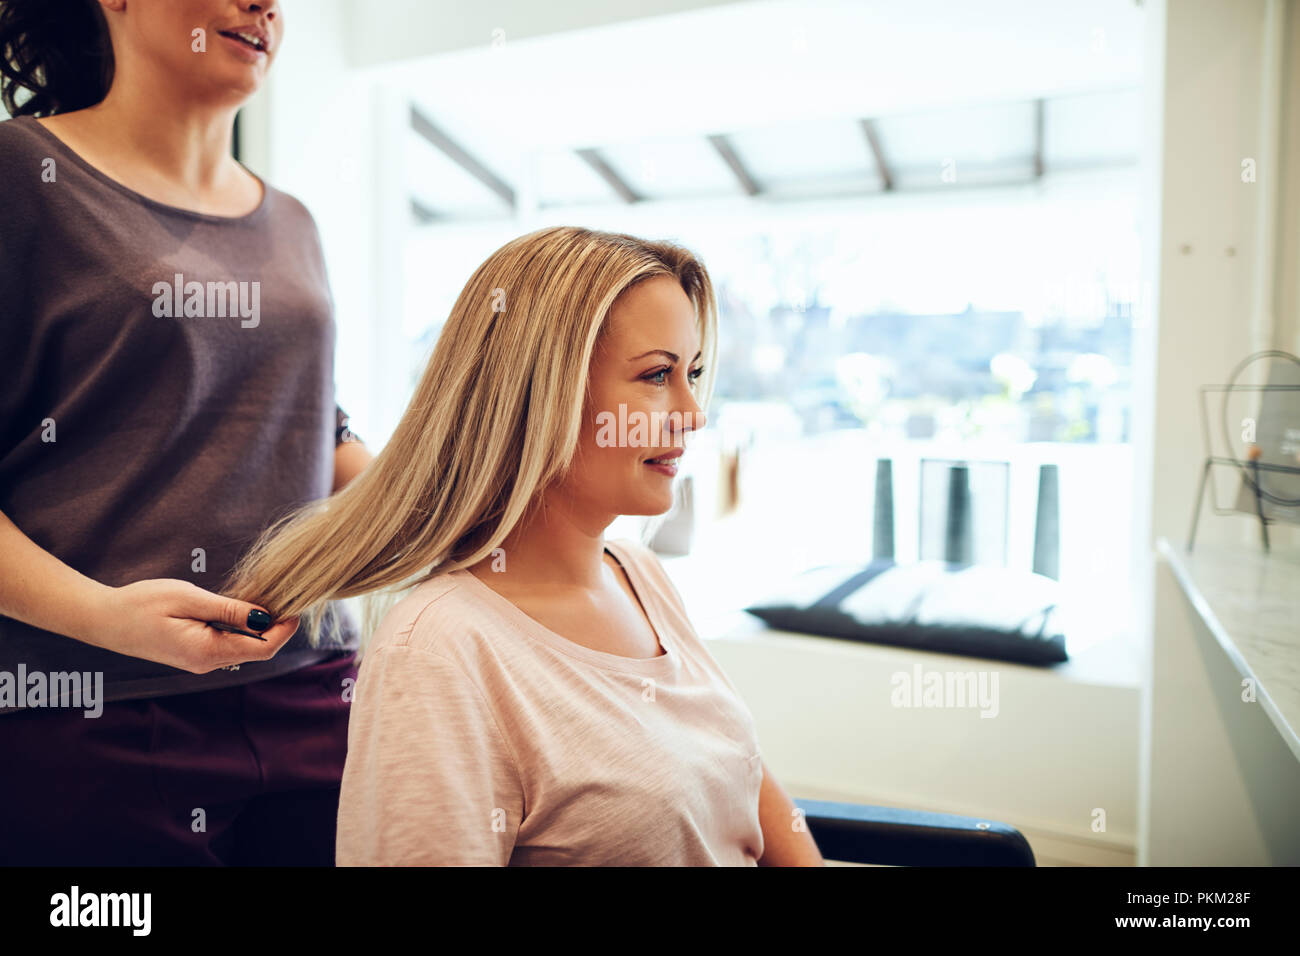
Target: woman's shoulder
[292,219]
[287,209]
[27,197]
[442,616]
[25,157]
[287,204]
[20,132]
[32,159]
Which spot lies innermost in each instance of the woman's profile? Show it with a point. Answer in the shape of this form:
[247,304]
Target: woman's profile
[539,696]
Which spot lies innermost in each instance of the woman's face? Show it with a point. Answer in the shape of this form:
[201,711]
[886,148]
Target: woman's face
[195,44]
[640,405]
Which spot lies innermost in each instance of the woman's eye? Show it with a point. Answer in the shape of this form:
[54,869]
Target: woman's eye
[658,378]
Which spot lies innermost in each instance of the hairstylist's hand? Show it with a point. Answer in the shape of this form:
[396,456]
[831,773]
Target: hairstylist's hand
[162,620]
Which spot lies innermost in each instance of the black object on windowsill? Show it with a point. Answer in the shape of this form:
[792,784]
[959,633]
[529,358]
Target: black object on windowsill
[947,606]
[974,611]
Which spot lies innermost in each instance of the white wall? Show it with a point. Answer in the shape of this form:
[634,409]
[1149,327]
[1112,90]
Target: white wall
[1286,332]
[1215,264]
[322,131]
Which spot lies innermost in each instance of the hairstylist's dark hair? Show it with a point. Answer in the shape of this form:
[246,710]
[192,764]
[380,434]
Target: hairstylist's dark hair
[56,50]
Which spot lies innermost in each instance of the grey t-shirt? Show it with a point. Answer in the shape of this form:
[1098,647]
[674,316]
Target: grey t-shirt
[166,392]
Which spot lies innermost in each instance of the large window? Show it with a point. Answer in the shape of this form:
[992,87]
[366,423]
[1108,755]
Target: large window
[954,281]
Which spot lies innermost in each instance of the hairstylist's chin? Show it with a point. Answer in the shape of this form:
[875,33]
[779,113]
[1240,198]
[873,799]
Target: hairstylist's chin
[245,57]
[233,87]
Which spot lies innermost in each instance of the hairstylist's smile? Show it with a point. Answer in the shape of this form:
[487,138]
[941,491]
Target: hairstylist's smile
[252,40]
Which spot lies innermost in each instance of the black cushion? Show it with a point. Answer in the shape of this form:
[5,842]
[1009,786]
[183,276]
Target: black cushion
[975,611]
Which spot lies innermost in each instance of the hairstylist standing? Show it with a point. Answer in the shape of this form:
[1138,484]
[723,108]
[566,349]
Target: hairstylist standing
[166,393]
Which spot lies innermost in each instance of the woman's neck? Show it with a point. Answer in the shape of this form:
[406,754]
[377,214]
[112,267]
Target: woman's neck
[179,155]
[183,142]
[553,548]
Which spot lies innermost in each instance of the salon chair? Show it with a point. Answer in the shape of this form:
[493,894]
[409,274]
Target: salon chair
[886,836]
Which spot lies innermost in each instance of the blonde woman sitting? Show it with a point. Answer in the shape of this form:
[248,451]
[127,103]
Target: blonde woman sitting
[539,697]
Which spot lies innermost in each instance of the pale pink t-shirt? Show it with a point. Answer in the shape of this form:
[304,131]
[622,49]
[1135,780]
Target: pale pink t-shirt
[480,737]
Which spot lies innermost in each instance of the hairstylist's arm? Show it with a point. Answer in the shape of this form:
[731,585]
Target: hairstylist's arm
[159,620]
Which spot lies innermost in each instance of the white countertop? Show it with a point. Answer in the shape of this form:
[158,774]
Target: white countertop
[1250,601]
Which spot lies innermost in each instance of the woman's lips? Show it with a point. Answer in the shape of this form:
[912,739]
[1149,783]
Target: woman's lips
[245,49]
[665,464]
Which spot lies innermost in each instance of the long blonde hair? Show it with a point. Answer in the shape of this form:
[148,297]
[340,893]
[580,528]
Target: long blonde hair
[503,392]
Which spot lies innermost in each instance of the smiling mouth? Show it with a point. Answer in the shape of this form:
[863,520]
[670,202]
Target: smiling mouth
[247,39]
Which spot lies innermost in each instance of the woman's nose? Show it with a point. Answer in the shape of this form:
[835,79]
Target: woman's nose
[693,417]
[269,7]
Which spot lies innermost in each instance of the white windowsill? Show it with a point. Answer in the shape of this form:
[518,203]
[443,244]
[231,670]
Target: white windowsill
[728,566]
